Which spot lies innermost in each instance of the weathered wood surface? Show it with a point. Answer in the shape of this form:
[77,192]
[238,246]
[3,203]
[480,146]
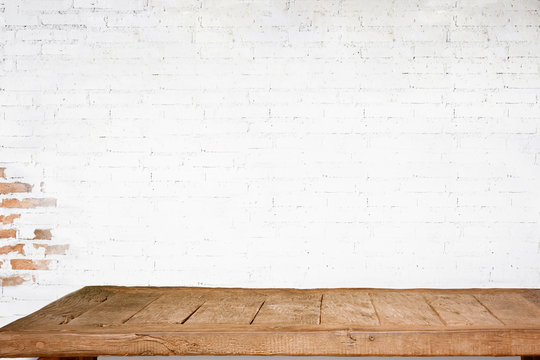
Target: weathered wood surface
[69,358]
[215,321]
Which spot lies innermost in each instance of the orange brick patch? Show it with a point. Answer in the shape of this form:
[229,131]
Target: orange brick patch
[12,280]
[52,249]
[27,203]
[16,187]
[42,234]
[8,233]
[24,263]
[19,248]
[27,264]
[6,220]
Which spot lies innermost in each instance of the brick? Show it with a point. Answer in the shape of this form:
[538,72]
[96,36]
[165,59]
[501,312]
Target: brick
[27,264]
[20,19]
[7,249]
[42,234]
[122,5]
[8,219]
[61,19]
[45,5]
[134,21]
[22,49]
[468,35]
[52,249]
[16,187]
[8,233]
[13,280]
[27,203]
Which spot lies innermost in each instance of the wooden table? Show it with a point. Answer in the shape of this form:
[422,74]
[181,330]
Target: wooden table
[109,320]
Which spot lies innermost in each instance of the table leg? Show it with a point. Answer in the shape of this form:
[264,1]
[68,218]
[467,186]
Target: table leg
[530,357]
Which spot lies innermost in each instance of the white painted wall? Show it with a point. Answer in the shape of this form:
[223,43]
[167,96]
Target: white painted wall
[294,143]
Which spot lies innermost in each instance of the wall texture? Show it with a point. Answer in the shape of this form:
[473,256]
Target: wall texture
[295,143]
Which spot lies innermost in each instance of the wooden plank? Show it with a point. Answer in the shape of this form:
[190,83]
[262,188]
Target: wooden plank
[461,310]
[533,296]
[64,309]
[145,321]
[352,307]
[290,308]
[511,308]
[69,358]
[403,309]
[228,307]
[117,310]
[171,308]
[307,343]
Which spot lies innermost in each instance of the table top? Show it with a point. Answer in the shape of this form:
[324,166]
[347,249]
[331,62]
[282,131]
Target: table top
[108,320]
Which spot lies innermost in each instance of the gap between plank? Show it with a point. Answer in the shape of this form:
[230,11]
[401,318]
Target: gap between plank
[66,321]
[320,309]
[141,309]
[194,311]
[257,313]
[435,311]
[488,310]
[374,308]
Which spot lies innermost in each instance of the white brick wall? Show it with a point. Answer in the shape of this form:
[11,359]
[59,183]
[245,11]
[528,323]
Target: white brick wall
[294,143]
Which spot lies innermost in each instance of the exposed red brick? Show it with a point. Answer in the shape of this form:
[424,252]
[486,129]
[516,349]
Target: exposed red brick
[3,173]
[53,249]
[19,248]
[27,203]
[6,220]
[12,280]
[27,264]
[42,234]
[8,233]
[16,187]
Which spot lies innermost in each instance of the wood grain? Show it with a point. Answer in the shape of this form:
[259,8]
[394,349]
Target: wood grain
[404,309]
[64,309]
[511,309]
[461,310]
[533,296]
[289,308]
[228,308]
[69,358]
[212,321]
[117,310]
[172,308]
[339,308]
